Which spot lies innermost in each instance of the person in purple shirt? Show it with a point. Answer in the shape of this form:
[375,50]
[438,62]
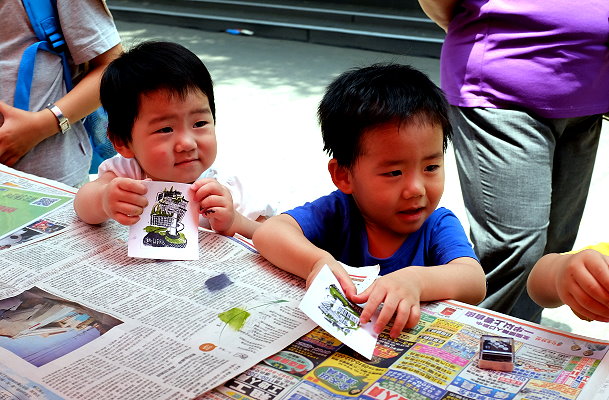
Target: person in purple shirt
[386,128]
[528,83]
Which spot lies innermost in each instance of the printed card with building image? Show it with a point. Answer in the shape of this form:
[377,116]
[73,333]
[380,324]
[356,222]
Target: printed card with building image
[168,227]
[326,304]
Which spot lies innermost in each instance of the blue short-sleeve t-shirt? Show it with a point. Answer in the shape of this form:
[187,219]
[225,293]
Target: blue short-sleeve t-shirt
[334,223]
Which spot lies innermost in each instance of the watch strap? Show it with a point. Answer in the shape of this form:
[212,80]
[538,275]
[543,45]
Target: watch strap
[64,124]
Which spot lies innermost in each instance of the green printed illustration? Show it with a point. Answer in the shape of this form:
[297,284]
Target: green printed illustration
[236,317]
[165,220]
[340,312]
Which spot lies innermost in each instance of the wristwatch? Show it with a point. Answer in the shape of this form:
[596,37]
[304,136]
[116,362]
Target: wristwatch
[64,124]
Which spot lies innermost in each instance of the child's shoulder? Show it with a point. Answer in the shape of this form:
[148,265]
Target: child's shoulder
[123,167]
[244,189]
[335,206]
[440,214]
[225,175]
[336,201]
[442,222]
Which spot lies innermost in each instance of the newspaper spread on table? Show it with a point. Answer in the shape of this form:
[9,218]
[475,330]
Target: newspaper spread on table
[81,320]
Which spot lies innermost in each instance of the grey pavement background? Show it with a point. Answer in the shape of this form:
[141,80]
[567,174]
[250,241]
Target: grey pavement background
[267,91]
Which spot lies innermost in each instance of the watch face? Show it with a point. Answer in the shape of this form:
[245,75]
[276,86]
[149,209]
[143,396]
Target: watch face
[64,125]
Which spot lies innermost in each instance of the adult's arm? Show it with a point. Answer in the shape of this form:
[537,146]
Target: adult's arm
[440,11]
[22,130]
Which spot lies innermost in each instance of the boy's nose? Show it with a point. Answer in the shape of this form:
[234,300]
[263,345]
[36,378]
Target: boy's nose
[413,187]
[185,141]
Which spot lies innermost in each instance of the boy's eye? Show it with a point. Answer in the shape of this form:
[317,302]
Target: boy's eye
[166,129]
[431,168]
[397,172]
[200,124]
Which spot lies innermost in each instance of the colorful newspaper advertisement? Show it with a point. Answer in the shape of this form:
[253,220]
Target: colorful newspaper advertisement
[21,207]
[436,360]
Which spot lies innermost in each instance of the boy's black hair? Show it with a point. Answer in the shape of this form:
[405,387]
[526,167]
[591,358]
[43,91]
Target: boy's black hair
[145,68]
[362,98]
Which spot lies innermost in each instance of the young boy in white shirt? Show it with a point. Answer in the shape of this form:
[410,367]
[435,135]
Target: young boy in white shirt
[161,120]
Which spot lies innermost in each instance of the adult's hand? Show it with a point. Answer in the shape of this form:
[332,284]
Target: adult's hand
[22,130]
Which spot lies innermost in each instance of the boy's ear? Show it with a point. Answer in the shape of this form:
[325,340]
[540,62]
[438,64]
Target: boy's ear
[123,149]
[341,176]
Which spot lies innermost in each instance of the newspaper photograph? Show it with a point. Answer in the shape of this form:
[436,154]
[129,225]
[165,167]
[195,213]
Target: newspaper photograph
[19,207]
[25,204]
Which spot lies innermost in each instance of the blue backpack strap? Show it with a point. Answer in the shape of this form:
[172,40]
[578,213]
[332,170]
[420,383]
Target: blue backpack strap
[45,22]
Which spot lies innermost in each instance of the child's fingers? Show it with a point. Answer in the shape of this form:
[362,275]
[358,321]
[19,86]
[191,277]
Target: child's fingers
[587,291]
[599,269]
[126,213]
[125,219]
[579,300]
[201,191]
[385,316]
[407,316]
[215,204]
[127,191]
[584,312]
[582,303]
[122,201]
[196,185]
[414,316]
[206,187]
[208,212]
[131,185]
[132,203]
[374,300]
[128,209]
[345,282]
[362,297]
[402,316]
[214,200]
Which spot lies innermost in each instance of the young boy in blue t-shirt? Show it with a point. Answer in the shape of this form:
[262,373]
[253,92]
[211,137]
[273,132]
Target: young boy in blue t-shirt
[386,128]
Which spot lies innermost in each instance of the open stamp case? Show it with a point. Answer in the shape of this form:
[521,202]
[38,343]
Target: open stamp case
[497,353]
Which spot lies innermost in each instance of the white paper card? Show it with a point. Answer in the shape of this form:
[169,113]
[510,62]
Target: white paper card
[326,304]
[362,277]
[168,227]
